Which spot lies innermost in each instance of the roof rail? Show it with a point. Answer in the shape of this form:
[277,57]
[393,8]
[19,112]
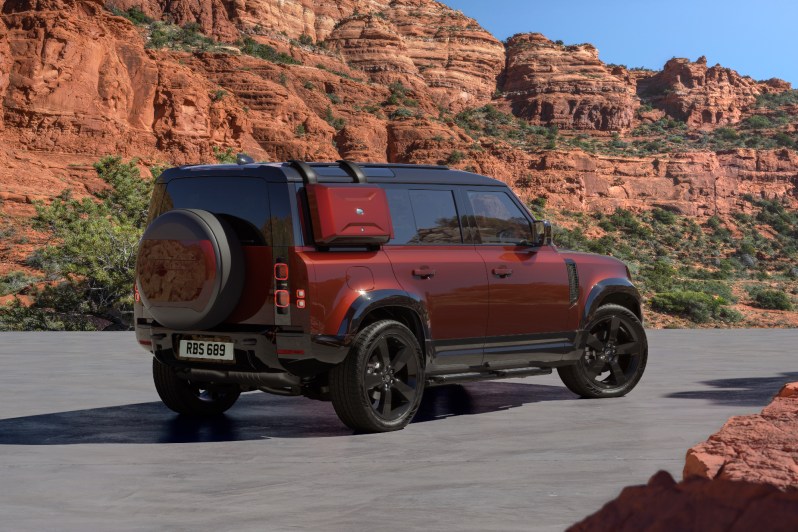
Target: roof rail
[353,170]
[308,174]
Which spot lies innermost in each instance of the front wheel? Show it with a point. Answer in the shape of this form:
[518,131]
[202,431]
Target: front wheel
[192,398]
[378,387]
[614,358]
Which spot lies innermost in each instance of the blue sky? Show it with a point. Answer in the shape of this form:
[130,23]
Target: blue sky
[755,38]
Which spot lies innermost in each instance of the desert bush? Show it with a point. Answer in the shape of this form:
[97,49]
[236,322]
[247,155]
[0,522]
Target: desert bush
[252,47]
[771,299]
[698,307]
[92,254]
[15,281]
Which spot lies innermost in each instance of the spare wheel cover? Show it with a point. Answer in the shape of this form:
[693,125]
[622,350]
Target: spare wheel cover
[190,269]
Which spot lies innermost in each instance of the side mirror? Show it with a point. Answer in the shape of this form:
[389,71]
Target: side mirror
[543,233]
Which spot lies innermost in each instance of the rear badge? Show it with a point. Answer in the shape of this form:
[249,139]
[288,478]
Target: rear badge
[359,212]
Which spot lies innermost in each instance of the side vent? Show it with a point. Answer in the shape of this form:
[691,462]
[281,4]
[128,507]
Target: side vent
[573,280]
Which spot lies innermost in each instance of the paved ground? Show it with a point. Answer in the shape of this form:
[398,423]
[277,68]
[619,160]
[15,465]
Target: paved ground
[86,445]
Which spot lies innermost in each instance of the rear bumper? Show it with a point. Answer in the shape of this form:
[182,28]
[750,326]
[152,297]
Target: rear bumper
[268,350]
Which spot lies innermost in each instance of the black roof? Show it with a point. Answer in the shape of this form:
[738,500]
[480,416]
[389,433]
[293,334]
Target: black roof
[333,172]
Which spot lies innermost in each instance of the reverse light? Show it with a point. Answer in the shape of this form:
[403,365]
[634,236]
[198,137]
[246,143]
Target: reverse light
[282,298]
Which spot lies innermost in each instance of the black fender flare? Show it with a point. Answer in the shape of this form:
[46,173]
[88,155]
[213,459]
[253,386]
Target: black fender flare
[602,290]
[376,299]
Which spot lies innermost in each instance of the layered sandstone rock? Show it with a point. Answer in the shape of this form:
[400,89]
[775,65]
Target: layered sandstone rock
[371,44]
[77,83]
[458,59]
[761,448]
[693,183]
[5,66]
[703,96]
[567,86]
[695,504]
[80,79]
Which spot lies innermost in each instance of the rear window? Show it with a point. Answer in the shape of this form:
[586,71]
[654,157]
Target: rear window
[242,201]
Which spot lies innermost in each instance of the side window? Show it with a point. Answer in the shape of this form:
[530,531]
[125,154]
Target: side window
[499,220]
[424,217]
[404,226]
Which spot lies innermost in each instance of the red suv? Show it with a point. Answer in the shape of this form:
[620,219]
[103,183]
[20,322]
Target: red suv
[364,284]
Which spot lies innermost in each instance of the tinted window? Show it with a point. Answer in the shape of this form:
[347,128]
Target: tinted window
[499,219]
[243,201]
[424,217]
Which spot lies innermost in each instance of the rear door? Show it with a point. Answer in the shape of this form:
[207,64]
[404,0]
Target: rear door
[433,260]
[529,295]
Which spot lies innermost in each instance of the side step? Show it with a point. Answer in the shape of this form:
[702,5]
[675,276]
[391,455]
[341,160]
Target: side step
[456,378]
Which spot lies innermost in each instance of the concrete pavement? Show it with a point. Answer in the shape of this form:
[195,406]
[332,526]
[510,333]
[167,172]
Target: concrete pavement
[85,444]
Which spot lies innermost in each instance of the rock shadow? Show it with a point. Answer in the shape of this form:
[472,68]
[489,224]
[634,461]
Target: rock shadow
[741,391]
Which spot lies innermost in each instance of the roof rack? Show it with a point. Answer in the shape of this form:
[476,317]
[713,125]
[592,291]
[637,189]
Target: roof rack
[309,175]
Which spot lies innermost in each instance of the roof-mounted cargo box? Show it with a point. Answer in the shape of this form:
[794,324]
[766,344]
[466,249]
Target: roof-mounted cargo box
[344,215]
[354,214]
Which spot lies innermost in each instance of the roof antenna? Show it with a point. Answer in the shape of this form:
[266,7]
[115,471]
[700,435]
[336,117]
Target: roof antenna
[243,158]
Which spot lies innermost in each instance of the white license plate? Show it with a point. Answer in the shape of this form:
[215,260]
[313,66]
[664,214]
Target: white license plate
[197,349]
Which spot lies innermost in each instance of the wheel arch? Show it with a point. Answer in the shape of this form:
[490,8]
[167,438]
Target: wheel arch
[388,304]
[616,291]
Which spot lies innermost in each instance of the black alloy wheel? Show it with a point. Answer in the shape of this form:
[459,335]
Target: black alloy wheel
[378,387]
[614,358]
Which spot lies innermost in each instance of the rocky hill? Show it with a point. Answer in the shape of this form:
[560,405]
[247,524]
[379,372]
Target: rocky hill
[187,81]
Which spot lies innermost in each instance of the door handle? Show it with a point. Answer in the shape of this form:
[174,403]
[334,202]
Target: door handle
[424,273]
[502,271]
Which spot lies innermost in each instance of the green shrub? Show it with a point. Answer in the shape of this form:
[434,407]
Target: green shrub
[758,122]
[336,122]
[224,156]
[776,100]
[455,157]
[401,113]
[92,254]
[252,47]
[189,38]
[771,299]
[14,282]
[695,306]
[133,14]
[299,130]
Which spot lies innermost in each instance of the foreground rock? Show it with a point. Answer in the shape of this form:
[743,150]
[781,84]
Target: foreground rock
[761,448]
[696,504]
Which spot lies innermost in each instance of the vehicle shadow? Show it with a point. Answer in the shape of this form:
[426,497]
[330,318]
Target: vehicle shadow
[753,391]
[256,416]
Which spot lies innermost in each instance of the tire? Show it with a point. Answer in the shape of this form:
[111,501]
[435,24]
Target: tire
[614,356]
[378,387]
[190,269]
[191,398]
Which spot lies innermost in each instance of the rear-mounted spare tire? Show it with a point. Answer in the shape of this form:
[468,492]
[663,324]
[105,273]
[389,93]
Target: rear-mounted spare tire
[190,269]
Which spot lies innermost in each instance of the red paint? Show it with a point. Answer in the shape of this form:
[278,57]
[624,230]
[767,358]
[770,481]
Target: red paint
[355,214]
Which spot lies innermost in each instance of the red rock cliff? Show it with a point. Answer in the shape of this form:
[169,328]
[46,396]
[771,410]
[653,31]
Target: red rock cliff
[567,86]
[77,82]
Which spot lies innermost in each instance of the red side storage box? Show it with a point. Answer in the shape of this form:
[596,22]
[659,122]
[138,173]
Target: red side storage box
[349,214]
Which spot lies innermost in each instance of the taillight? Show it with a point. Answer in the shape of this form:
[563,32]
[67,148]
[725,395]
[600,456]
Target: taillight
[136,295]
[282,297]
[281,271]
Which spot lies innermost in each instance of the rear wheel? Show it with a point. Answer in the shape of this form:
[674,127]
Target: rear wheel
[192,398]
[614,358]
[378,387]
